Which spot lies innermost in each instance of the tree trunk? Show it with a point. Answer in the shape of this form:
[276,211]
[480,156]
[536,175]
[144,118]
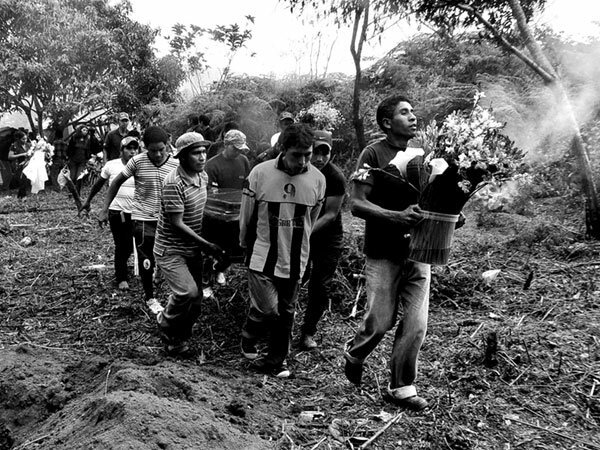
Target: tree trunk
[358,38]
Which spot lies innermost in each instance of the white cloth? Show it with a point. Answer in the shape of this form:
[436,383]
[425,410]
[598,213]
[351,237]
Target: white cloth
[402,159]
[123,201]
[36,172]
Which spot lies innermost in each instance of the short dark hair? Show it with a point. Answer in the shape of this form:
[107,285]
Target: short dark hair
[297,135]
[386,108]
[204,119]
[155,134]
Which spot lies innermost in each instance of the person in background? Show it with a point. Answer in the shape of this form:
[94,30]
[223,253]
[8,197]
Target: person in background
[217,146]
[119,211]
[17,156]
[285,120]
[326,238]
[280,204]
[393,281]
[79,151]
[226,170]
[179,247]
[149,170]
[112,141]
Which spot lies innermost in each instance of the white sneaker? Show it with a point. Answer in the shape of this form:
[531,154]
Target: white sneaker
[123,285]
[207,293]
[221,280]
[154,306]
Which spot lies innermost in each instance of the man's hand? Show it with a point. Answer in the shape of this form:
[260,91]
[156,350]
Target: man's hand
[84,208]
[409,217]
[102,217]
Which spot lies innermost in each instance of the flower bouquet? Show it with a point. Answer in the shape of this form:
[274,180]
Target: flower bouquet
[453,161]
[462,155]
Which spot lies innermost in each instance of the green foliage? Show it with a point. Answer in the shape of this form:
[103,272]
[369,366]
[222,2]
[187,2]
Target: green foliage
[68,61]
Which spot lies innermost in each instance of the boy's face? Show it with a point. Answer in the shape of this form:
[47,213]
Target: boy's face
[321,156]
[403,123]
[157,152]
[295,159]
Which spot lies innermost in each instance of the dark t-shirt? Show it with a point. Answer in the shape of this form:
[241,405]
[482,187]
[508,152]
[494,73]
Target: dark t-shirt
[382,239]
[227,173]
[335,186]
[112,144]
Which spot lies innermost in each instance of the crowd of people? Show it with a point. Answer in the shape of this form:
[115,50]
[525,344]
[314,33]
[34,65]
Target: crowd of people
[290,229]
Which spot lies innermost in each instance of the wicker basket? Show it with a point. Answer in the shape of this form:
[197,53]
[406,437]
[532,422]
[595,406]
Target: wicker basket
[431,238]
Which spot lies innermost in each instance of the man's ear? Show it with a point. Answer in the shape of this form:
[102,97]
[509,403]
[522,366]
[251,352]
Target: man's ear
[386,123]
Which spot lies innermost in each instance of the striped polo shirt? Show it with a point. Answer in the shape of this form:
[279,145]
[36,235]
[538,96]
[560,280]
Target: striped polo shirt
[149,180]
[277,215]
[123,201]
[181,193]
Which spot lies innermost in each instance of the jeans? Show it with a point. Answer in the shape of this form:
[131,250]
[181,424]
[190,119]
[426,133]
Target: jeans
[323,262]
[389,285]
[143,232]
[122,231]
[183,274]
[272,307]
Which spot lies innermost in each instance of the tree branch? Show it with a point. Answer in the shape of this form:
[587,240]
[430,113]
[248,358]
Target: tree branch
[537,68]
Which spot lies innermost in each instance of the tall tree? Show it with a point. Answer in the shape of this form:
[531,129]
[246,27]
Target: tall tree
[69,61]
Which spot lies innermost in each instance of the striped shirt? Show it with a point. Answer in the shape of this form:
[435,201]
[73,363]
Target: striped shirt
[277,215]
[181,194]
[149,180]
[123,201]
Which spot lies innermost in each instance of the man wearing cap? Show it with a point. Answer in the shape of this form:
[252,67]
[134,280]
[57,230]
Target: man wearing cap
[112,142]
[179,246]
[285,120]
[325,240]
[229,168]
[149,170]
[280,205]
[119,211]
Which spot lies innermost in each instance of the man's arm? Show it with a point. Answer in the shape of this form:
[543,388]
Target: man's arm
[176,220]
[333,206]
[93,191]
[361,207]
[110,195]
[246,212]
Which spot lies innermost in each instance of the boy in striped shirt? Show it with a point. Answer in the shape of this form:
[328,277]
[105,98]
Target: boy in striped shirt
[280,205]
[149,170]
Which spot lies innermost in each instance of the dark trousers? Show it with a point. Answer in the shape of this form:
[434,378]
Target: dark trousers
[272,307]
[122,231]
[144,232]
[183,274]
[323,262]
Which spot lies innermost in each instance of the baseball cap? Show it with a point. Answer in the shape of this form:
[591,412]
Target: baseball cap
[189,141]
[123,116]
[128,140]
[236,138]
[322,137]
[286,115]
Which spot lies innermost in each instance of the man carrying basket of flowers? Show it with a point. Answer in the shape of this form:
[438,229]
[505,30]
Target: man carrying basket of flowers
[388,204]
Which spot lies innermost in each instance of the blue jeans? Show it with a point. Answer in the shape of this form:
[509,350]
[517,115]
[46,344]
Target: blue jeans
[389,286]
[272,308]
[183,274]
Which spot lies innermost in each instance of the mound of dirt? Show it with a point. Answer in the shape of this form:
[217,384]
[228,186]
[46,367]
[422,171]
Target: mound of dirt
[92,403]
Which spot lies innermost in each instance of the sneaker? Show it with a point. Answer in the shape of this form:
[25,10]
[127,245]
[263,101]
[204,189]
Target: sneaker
[307,342]
[406,397]
[353,372]
[249,349]
[263,366]
[221,280]
[207,293]
[178,348]
[123,285]
[154,306]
